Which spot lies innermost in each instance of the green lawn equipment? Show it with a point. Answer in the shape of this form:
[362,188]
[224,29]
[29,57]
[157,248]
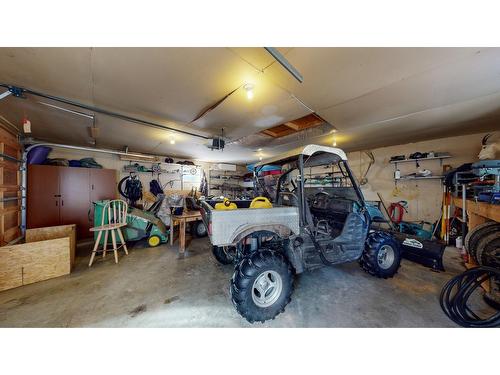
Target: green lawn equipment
[422,229]
[416,238]
[141,224]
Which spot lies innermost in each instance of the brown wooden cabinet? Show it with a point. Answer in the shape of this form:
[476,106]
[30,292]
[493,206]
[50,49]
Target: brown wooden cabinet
[64,195]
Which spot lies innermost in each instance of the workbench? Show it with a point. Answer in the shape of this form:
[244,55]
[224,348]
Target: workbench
[182,220]
[478,212]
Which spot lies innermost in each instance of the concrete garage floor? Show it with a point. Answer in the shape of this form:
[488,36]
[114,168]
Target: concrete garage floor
[151,287]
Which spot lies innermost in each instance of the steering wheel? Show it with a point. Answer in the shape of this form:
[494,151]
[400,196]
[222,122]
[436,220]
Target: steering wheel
[322,193]
[335,196]
[318,196]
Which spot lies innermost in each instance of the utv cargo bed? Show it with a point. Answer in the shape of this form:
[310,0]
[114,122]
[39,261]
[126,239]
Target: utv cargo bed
[227,227]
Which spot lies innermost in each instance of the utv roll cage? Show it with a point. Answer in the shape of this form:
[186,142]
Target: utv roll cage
[308,156]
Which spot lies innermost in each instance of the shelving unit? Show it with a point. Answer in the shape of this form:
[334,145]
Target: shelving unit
[420,178]
[477,213]
[180,173]
[417,164]
[440,158]
[227,183]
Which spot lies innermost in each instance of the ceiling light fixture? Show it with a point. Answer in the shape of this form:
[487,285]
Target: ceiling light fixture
[249,89]
[172,141]
[334,138]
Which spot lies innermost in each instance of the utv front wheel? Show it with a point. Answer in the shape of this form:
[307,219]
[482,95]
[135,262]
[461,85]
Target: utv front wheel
[261,285]
[381,257]
[224,254]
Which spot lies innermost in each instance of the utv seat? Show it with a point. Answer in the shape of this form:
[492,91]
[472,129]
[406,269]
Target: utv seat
[355,227]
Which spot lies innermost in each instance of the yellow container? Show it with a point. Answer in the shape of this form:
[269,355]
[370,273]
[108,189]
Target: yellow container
[261,202]
[226,204]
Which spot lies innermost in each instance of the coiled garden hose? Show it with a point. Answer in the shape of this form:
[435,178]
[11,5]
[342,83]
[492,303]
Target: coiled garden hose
[455,296]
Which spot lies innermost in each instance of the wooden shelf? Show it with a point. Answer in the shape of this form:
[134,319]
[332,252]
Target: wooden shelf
[478,213]
[483,209]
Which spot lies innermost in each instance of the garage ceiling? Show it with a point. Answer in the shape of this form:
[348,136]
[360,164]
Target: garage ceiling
[373,96]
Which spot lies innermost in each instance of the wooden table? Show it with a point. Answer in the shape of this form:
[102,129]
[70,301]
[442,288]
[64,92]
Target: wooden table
[186,217]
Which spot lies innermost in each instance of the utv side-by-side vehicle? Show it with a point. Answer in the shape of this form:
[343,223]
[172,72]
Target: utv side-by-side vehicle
[312,222]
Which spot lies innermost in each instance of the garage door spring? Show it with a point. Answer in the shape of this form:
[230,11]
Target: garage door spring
[456,293]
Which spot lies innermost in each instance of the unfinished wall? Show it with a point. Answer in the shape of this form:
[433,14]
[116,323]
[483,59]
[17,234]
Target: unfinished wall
[110,161]
[424,196]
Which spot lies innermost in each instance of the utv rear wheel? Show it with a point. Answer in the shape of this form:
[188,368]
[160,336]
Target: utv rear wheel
[198,229]
[381,257]
[262,285]
[224,254]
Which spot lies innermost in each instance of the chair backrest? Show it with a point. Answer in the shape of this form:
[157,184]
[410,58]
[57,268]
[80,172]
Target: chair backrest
[115,212]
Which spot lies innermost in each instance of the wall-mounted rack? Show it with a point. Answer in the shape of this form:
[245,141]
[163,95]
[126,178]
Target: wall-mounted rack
[227,182]
[416,161]
[417,165]
[420,178]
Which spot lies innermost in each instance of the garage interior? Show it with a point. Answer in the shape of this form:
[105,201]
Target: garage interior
[123,168]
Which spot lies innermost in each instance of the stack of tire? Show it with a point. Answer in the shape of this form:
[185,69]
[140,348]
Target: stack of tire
[483,244]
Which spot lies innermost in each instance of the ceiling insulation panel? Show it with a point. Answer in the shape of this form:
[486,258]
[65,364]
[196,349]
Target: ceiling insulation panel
[374,96]
[47,124]
[474,77]
[335,75]
[169,83]
[59,71]
[240,116]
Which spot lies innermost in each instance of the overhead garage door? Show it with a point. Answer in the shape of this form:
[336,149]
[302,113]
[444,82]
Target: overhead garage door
[10,194]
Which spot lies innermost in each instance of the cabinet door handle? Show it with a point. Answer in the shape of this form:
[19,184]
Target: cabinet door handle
[62,202]
[56,203]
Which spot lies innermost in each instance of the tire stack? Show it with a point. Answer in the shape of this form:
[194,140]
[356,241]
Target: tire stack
[483,244]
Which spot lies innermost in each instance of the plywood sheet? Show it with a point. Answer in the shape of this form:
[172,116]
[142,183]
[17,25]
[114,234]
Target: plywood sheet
[11,271]
[46,259]
[32,262]
[50,233]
